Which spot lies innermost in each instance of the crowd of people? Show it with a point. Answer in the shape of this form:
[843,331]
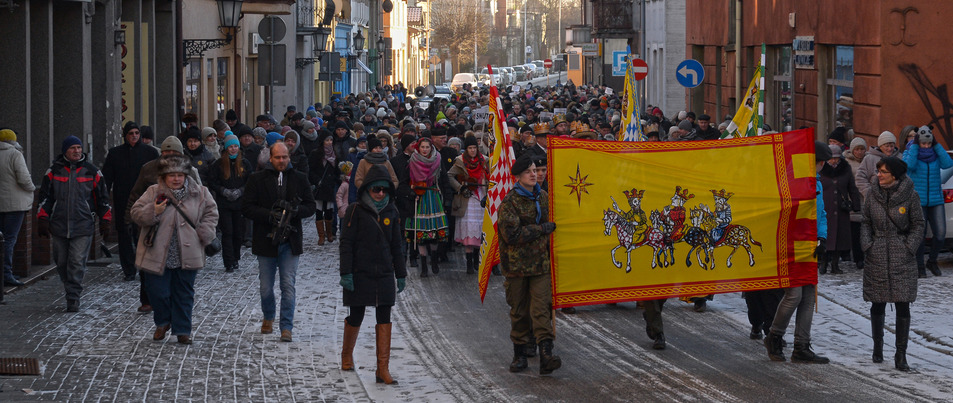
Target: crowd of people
[398,183]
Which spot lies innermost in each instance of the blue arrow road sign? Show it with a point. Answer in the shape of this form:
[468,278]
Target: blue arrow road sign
[690,73]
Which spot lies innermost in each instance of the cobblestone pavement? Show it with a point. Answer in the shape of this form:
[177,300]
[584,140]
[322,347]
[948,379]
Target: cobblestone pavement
[106,352]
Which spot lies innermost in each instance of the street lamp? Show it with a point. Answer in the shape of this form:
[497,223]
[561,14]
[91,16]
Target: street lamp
[229,14]
[320,39]
[358,42]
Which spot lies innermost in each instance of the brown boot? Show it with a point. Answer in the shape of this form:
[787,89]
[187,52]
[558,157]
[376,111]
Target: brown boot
[267,326]
[321,232]
[329,230]
[350,339]
[383,354]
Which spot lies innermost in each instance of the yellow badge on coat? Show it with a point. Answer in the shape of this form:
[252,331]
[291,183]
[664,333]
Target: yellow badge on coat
[387,221]
[903,210]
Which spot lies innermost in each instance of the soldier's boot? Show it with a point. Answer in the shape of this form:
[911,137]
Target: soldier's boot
[877,332]
[347,350]
[773,344]
[423,266]
[329,230]
[903,334]
[530,350]
[322,233]
[803,353]
[519,358]
[548,362]
[383,355]
[835,265]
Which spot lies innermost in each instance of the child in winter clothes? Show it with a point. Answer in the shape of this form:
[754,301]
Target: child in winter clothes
[342,193]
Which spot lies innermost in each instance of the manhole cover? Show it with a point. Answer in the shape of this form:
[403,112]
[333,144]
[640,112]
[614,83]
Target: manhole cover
[19,366]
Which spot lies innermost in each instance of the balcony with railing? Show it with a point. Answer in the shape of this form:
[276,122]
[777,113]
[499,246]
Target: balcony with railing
[310,15]
[612,18]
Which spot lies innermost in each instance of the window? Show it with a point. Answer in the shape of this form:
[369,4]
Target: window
[221,85]
[193,79]
[841,87]
[783,118]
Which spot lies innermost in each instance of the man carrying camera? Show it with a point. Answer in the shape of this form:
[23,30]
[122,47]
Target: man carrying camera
[276,199]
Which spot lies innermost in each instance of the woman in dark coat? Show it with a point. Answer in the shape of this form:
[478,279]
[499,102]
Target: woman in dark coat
[325,178]
[890,234]
[226,179]
[840,198]
[372,266]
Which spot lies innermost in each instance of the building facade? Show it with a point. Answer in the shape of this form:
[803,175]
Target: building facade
[885,69]
[664,49]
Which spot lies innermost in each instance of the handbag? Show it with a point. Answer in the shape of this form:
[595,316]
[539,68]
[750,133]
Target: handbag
[214,247]
[149,239]
[844,203]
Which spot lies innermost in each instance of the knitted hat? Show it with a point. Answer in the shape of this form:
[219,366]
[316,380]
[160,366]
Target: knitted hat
[455,140]
[172,143]
[522,164]
[272,137]
[69,142]
[174,163]
[374,142]
[682,115]
[208,131]
[129,126]
[231,115]
[358,126]
[839,134]
[146,132]
[835,150]
[193,133]
[307,125]
[924,134]
[260,132]
[685,125]
[406,140]
[345,167]
[886,137]
[8,135]
[821,151]
[858,142]
[231,140]
[470,141]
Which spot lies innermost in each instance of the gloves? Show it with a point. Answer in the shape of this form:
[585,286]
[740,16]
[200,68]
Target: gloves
[466,193]
[401,283]
[232,194]
[43,227]
[821,248]
[104,228]
[347,281]
[548,227]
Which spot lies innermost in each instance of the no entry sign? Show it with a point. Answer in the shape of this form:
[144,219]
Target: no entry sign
[639,69]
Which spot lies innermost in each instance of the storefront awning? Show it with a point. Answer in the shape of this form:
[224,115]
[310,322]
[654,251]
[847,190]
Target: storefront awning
[364,67]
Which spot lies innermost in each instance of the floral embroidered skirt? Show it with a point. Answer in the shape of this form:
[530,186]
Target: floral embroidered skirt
[429,223]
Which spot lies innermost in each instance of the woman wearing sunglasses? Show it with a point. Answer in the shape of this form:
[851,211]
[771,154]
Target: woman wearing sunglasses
[372,266]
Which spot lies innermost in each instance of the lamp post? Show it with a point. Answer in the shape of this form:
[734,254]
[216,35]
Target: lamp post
[381,48]
[229,14]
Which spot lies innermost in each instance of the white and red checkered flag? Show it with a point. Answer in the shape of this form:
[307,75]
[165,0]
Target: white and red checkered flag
[501,162]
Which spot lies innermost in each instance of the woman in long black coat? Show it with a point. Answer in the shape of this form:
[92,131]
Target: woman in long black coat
[890,234]
[372,266]
[840,198]
[325,177]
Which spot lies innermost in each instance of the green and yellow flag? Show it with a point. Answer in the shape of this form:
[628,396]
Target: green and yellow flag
[749,119]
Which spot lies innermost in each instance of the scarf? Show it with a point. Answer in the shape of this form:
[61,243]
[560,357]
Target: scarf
[927,155]
[425,169]
[474,167]
[329,154]
[534,196]
[378,206]
[310,136]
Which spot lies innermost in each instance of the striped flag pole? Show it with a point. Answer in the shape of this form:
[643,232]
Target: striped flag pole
[760,116]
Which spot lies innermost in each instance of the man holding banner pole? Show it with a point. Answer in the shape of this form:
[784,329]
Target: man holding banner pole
[524,232]
[802,298]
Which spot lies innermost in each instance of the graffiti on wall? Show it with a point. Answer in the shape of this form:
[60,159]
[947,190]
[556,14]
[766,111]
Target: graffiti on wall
[936,100]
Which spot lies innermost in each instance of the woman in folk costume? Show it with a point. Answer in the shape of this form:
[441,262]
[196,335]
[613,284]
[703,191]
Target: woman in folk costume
[428,227]
[468,176]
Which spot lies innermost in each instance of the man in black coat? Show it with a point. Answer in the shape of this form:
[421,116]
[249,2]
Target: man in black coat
[120,172]
[405,195]
[269,194]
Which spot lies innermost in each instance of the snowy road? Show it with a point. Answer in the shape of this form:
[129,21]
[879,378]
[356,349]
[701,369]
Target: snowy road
[448,347]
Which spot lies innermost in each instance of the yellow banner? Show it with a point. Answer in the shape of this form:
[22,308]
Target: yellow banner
[649,220]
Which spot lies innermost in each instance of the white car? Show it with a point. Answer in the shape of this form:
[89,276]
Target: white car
[509,76]
[497,77]
[464,78]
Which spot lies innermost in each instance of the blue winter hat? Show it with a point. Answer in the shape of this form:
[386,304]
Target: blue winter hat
[69,142]
[231,140]
[272,137]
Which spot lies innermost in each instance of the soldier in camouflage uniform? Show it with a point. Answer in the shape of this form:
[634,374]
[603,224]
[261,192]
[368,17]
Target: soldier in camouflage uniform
[524,253]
